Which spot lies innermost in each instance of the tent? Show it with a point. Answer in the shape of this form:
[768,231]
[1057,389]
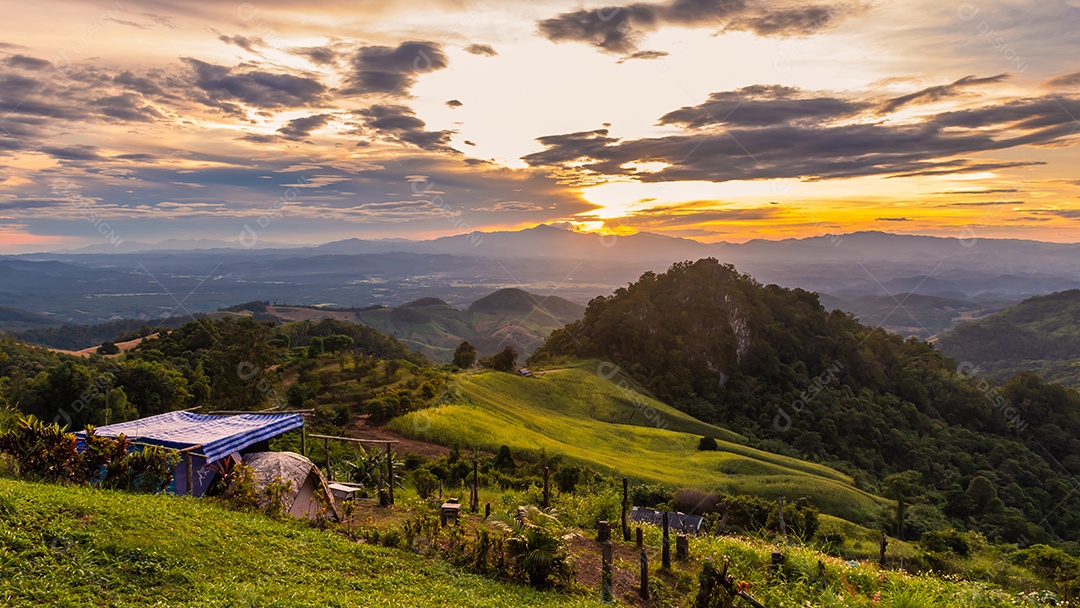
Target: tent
[309,488]
[203,439]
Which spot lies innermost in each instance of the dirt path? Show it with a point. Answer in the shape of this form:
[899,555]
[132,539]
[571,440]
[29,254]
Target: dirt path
[360,428]
[86,352]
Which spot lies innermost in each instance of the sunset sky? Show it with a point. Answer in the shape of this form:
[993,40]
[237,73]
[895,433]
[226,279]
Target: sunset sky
[296,122]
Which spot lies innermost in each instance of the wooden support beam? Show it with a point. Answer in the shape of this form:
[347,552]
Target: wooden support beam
[625,509]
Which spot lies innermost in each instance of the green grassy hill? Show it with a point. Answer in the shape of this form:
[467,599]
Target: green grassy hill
[1040,334]
[578,413]
[63,546]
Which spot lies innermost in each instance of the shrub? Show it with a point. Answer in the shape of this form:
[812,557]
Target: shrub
[946,541]
[536,542]
[426,483]
[707,444]
[651,496]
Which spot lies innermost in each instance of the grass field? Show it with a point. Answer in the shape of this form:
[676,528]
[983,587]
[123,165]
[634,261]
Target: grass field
[63,546]
[579,414]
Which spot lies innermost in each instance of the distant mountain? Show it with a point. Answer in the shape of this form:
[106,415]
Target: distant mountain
[542,241]
[96,287]
[169,245]
[914,315]
[1041,334]
[430,326]
[15,319]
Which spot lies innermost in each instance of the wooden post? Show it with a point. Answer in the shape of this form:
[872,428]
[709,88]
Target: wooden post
[487,510]
[547,487]
[644,590]
[640,539]
[884,543]
[665,547]
[777,561]
[190,470]
[682,547]
[326,447]
[440,489]
[475,485]
[605,577]
[780,507]
[390,474]
[625,509]
[603,532]
[303,441]
[723,520]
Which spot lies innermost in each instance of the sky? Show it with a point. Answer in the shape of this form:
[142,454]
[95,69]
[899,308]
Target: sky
[300,122]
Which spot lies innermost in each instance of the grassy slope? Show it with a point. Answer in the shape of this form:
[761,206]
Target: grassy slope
[577,413]
[64,546]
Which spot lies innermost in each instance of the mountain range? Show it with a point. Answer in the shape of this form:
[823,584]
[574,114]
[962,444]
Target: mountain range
[914,285]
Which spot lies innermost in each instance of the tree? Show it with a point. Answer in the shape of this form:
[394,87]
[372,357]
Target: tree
[315,348]
[901,487]
[504,459]
[981,492]
[503,361]
[108,348]
[337,343]
[464,355]
[707,444]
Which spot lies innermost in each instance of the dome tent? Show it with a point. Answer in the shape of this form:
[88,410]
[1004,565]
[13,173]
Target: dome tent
[309,489]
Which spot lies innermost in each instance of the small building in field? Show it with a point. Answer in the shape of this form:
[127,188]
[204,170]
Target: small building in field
[203,441]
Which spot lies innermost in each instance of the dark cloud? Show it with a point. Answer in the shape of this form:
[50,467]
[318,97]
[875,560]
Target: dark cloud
[74,152]
[762,105]
[319,55]
[986,204]
[126,107]
[454,103]
[778,132]
[481,49]
[224,86]
[27,62]
[936,93]
[393,70]
[299,128]
[399,123]
[618,29]
[787,22]
[978,192]
[1069,214]
[644,55]
[1064,81]
[893,219]
[138,84]
[250,44]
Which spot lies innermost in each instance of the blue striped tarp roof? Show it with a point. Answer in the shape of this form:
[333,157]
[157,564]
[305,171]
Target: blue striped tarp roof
[219,436]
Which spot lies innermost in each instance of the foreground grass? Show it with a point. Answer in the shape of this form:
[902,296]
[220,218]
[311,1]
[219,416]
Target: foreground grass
[62,546]
[578,413]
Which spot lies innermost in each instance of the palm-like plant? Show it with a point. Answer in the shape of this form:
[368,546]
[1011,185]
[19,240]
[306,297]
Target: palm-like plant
[536,541]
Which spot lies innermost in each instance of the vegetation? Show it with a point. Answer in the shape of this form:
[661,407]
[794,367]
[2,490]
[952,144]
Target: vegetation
[772,363]
[586,418]
[62,545]
[1041,334]
[503,361]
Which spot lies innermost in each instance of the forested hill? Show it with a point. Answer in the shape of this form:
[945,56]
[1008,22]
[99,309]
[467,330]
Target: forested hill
[1040,334]
[773,364]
